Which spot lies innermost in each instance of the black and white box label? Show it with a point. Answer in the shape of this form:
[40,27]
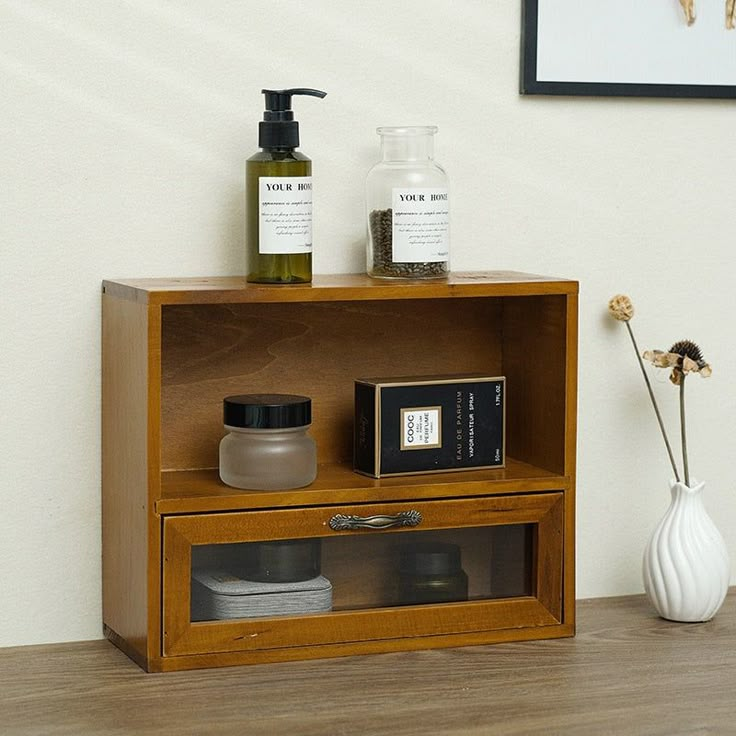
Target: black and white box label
[421,428]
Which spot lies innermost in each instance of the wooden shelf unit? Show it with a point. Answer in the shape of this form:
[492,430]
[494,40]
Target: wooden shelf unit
[172,349]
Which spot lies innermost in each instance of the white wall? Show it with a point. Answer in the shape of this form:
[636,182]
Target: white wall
[124,126]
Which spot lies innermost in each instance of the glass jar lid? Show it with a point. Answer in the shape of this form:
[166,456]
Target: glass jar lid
[407,130]
[267,411]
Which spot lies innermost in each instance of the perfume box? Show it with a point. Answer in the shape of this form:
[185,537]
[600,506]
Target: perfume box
[428,424]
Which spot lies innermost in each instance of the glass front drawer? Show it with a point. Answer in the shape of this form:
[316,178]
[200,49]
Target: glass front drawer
[315,576]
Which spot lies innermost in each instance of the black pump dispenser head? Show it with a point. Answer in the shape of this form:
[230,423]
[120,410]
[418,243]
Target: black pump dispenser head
[279,130]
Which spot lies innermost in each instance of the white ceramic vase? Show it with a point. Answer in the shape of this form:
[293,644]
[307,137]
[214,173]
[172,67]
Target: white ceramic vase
[686,565]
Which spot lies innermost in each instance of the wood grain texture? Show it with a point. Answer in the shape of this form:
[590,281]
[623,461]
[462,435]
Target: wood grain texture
[319,350]
[535,363]
[413,627]
[627,672]
[153,470]
[336,287]
[449,513]
[176,347]
[125,505]
[571,423]
[182,637]
[203,491]
[548,560]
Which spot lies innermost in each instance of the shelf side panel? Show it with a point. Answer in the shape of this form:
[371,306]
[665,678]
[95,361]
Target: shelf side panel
[124,471]
[535,362]
[571,457]
[317,349]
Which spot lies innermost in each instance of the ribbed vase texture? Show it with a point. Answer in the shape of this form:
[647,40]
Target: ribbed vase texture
[686,565]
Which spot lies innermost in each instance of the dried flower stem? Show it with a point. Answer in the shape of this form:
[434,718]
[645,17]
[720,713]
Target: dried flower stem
[685,466]
[654,404]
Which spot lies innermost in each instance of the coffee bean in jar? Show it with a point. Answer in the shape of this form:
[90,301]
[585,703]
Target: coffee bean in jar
[380,223]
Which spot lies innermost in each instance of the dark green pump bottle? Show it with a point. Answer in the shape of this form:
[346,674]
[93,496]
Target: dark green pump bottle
[278,197]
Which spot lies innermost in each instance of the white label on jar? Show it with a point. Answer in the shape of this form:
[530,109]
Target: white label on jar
[420,227]
[284,214]
[421,427]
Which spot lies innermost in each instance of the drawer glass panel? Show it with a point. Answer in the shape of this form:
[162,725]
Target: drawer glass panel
[300,577]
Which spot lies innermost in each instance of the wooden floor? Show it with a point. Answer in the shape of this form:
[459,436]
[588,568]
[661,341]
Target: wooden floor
[627,672]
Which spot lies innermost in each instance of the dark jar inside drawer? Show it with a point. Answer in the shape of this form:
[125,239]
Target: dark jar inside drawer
[431,573]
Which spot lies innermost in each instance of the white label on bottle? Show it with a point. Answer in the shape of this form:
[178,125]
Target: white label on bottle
[420,228]
[421,427]
[284,214]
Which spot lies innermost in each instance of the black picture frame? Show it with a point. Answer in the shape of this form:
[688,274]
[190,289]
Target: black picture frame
[531,85]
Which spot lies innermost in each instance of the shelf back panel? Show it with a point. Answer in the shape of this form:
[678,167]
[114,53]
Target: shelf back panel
[316,349]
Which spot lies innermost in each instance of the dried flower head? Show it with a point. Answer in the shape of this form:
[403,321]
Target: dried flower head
[688,349]
[683,357]
[621,308]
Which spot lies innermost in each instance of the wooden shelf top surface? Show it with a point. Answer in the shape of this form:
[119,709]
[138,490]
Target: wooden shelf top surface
[201,491]
[335,287]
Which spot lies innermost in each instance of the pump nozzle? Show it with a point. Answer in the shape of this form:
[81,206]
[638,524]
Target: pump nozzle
[279,130]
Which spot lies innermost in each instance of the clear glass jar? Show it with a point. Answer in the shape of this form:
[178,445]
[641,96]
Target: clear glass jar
[408,207]
[267,447]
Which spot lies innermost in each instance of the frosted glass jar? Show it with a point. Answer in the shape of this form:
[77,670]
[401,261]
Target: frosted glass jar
[407,198]
[267,447]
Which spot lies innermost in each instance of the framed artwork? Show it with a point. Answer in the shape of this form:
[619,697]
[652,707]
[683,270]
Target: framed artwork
[643,48]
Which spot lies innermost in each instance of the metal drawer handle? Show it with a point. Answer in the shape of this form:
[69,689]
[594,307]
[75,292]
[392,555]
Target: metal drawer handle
[403,518]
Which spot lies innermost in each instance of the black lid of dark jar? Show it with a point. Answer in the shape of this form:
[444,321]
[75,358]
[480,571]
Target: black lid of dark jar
[267,411]
[283,561]
[430,558]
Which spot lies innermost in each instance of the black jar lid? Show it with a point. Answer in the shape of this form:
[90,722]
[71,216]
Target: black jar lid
[283,561]
[430,558]
[267,411]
